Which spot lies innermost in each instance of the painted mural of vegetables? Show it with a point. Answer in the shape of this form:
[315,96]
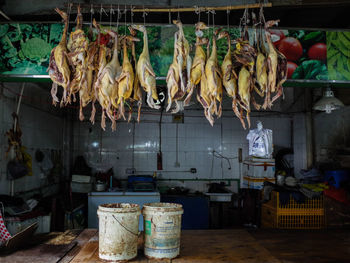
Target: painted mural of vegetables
[338,55]
[291,48]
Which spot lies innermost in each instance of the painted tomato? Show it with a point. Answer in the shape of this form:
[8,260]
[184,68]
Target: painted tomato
[276,36]
[291,66]
[291,48]
[318,51]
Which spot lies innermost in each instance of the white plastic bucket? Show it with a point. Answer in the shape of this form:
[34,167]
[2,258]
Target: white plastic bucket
[118,231]
[162,226]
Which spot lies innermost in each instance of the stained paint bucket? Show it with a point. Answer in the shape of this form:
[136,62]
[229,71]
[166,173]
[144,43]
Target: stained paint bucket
[118,231]
[162,225]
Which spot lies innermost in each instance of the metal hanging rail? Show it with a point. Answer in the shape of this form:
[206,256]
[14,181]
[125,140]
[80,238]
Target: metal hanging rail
[201,9]
[146,9]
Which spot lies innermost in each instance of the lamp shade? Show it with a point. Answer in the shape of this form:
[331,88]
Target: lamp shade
[328,102]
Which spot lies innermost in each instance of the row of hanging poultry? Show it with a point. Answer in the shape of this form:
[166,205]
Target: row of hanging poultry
[92,70]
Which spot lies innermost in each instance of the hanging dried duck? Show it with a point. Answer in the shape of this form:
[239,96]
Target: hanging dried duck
[198,65]
[59,70]
[261,61]
[137,93]
[229,78]
[277,68]
[145,72]
[86,92]
[77,47]
[125,81]
[173,76]
[184,60]
[213,77]
[108,87]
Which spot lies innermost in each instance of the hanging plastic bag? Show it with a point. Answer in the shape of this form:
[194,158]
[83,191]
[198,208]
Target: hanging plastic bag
[260,142]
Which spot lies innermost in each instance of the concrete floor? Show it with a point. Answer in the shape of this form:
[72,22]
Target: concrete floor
[331,246]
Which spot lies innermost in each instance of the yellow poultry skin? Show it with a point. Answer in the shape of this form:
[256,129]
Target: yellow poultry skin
[59,69]
[272,60]
[145,72]
[244,84]
[203,97]
[172,78]
[184,60]
[261,74]
[213,76]
[229,77]
[77,46]
[126,79]
[105,84]
[198,65]
[86,93]
[137,96]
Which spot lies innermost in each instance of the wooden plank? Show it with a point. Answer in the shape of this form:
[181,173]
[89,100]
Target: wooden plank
[200,246]
[43,253]
[81,240]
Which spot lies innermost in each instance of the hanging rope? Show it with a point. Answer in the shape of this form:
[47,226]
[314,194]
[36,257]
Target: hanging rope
[111,13]
[69,9]
[209,36]
[178,13]
[125,26]
[169,17]
[91,14]
[228,19]
[132,14]
[213,14]
[118,16]
[145,13]
[198,12]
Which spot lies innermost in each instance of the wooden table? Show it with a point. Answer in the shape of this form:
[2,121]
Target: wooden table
[198,246]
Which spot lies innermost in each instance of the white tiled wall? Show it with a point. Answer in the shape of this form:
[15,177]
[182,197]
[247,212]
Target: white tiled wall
[331,132]
[40,129]
[196,141]
[299,143]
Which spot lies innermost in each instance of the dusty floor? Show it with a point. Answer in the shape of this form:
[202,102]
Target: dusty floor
[331,246]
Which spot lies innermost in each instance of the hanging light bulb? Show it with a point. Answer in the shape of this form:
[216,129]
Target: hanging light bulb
[328,102]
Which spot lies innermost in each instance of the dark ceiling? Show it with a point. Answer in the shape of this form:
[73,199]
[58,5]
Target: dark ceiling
[292,13]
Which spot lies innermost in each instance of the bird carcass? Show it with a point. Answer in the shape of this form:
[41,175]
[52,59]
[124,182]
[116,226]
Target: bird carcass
[107,86]
[213,78]
[198,65]
[229,78]
[126,79]
[145,72]
[59,70]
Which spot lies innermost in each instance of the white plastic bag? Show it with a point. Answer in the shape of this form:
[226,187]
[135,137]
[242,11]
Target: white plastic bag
[260,142]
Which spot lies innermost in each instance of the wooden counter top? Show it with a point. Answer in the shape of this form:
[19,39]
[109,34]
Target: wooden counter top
[198,246]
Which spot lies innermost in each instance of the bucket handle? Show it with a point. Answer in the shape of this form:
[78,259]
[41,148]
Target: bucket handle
[126,227]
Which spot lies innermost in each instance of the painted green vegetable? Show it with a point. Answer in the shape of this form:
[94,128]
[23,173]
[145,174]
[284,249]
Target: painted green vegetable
[310,69]
[26,67]
[16,34]
[36,49]
[6,43]
[55,33]
[3,29]
[26,29]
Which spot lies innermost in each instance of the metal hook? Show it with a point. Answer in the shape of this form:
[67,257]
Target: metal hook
[103,11]
[145,13]
[132,14]
[111,13]
[228,18]
[69,11]
[169,17]
[125,12]
[118,17]
[197,10]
